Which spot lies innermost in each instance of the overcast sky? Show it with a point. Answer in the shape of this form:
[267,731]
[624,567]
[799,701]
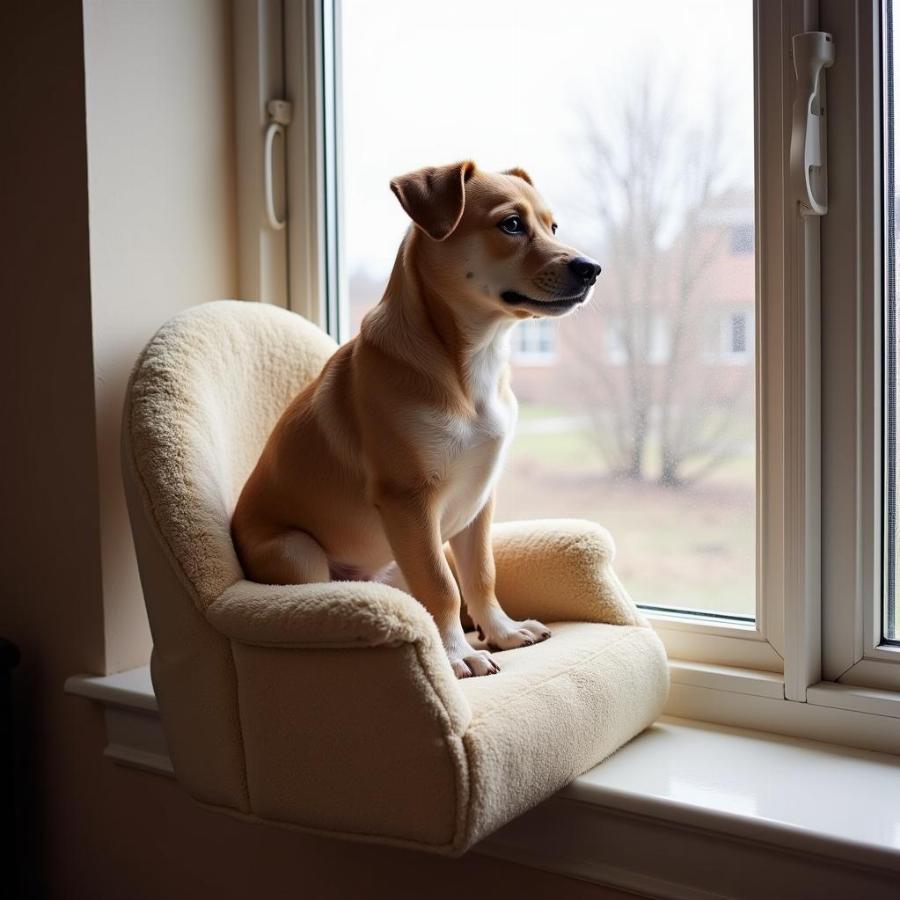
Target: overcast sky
[503,81]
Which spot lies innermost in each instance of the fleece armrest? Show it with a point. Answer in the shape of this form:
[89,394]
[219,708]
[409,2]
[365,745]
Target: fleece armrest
[560,570]
[339,614]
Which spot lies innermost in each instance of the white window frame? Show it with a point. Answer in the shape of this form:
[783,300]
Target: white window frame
[756,645]
[794,669]
[315,182]
[853,652]
[784,435]
[259,77]
[288,49]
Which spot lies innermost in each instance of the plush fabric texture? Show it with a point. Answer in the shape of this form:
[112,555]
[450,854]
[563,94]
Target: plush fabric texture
[332,707]
[204,397]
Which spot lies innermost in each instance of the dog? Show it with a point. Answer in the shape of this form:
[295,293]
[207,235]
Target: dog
[397,446]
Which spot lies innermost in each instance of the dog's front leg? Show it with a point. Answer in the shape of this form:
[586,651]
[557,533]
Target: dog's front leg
[413,531]
[475,566]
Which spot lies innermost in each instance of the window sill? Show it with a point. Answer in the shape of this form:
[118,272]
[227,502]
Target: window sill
[725,812]
[720,806]
[133,731]
[841,714]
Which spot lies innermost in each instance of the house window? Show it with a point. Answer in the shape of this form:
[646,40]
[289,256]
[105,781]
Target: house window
[729,337]
[732,338]
[742,239]
[534,343]
[615,345]
[737,344]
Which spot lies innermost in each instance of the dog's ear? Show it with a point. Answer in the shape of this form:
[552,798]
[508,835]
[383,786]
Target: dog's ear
[435,197]
[519,173]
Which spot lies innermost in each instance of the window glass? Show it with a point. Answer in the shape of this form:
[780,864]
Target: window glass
[635,122]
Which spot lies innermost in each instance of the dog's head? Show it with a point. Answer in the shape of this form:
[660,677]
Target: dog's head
[490,239]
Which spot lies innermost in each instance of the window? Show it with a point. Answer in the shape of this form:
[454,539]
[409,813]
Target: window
[733,376]
[635,436]
[737,334]
[534,343]
[742,238]
[615,345]
[858,389]
[730,341]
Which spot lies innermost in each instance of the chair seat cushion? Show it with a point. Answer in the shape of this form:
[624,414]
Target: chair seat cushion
[557,709]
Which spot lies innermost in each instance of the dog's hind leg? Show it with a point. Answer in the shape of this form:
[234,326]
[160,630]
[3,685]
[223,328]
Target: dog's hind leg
[392,576]
[288,557]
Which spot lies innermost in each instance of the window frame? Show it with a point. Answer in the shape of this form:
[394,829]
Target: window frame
[810,645]
[854,652]
[780,357]
[314,184]
[707,640]
[259,70]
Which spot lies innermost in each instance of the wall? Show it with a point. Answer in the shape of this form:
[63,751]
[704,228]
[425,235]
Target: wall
[106,229]
[162,224]
[49,544]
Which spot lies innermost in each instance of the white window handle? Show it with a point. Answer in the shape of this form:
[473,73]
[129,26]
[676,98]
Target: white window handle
[813,52]
[279,116]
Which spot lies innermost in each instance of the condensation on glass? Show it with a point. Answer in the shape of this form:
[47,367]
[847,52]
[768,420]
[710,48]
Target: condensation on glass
[639,411]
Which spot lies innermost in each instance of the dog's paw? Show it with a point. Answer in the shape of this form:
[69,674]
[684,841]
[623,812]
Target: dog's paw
[475,663]
[503,633]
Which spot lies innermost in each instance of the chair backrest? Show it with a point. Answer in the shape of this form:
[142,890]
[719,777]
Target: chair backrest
[201,403]
[203,399]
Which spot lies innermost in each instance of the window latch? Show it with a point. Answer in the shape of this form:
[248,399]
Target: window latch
[813,52]
[279,116]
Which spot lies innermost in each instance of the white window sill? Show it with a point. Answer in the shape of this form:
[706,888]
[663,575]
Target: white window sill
[686,810]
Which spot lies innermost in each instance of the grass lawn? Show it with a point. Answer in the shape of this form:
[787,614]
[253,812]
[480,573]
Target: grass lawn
[689,547]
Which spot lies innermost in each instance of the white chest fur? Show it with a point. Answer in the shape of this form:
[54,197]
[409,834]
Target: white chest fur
[473,448]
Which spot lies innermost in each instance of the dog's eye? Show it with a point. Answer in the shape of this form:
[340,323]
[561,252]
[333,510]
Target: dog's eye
[553,227]
[512,225]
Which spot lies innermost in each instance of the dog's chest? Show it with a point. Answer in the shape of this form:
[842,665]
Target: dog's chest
[474,448]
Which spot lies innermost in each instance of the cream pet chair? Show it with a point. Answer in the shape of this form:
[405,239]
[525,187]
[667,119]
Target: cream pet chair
[331,707]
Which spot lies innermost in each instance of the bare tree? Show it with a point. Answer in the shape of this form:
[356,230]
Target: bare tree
[655,186]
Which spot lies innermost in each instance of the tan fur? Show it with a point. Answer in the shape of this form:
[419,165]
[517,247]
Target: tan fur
[396,447]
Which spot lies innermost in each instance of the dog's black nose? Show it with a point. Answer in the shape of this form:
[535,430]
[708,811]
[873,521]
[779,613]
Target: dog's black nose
[584,269]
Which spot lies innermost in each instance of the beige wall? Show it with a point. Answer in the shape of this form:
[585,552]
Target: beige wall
[105,230]
[162,224]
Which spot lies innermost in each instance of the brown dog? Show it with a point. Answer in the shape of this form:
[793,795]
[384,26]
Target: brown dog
[396,447]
